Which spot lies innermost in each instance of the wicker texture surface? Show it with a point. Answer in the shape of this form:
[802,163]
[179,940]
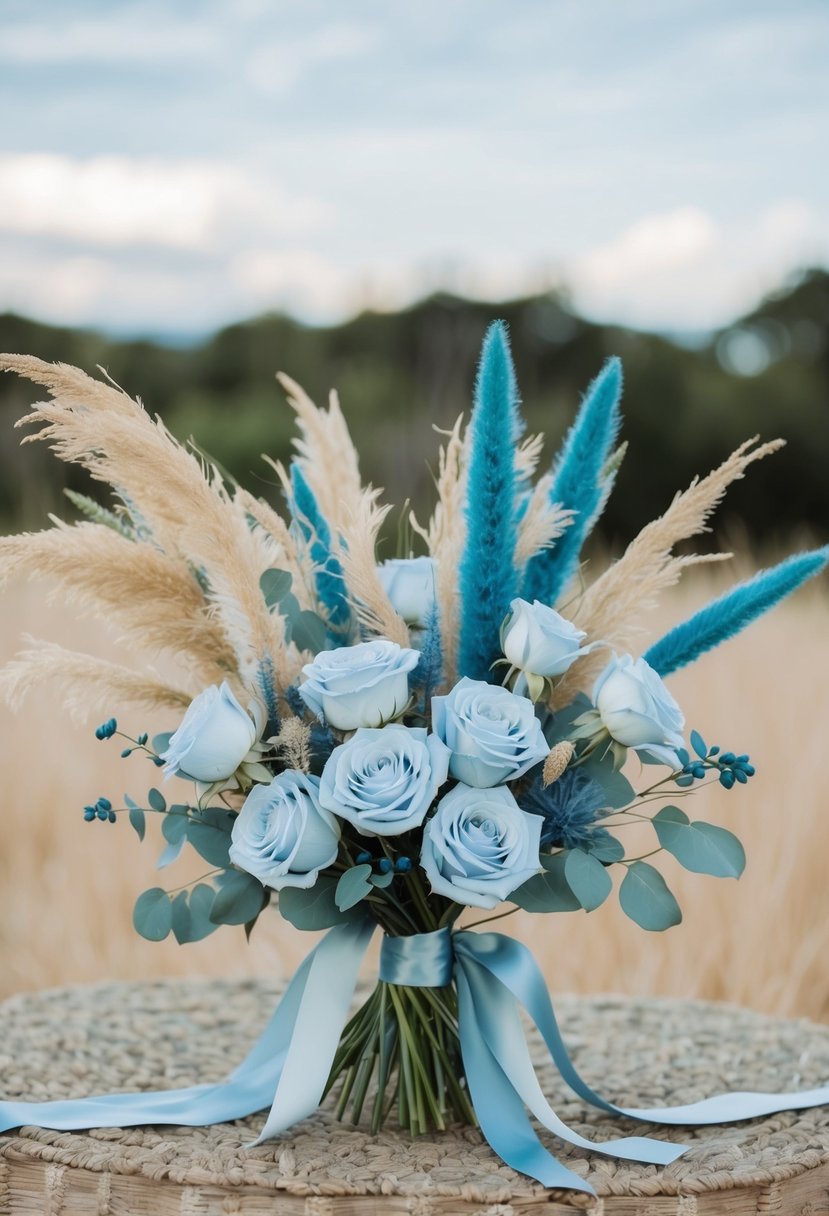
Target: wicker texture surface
[77,1041]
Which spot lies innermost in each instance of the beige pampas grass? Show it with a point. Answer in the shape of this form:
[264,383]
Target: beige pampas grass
[542,523]
[358,557]
[327,454]
[83,682]
[611,609]
[155,598]
[446,536]
[293,744]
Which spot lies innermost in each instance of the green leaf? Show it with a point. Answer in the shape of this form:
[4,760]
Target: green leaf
[157,800]
[547,892]
[700,847]
[382,880]
[181,918]
[139,821]
[314,908]
[587,879]
[559,725]
[162,742]
[617,789]
[201,904]
[353,886]
[174,826]
[605,847]
[698,744]
[209,834]
[646,899]
[239,899]
[308,631]
[152,915]
[275,585]
[169,854]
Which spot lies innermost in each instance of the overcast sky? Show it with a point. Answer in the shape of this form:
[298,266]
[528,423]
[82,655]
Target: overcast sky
[167,167]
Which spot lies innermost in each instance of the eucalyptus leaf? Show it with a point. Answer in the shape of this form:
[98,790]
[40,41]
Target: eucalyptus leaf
[174,826]
[161,742]
[382,880]
[314,908]
[587,879]
[240,898]
[549,891]
[152,915]
[308,631]
[210,842]
[605,847]
[201,904]
[646,899]
[181,918]
[698,744]
[170,853]
[275,585]
[617,789]
[138,820]
[353,886]
[157,800]
[559,725]
[700,847]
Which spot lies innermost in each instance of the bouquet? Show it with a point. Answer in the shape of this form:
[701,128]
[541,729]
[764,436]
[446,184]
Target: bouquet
[418,746]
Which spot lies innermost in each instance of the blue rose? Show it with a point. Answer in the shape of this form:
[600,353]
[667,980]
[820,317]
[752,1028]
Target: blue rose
[214,737]
[538,639]
[637,710]
[410,585]
[493,735]
[362,685]
[282,835]
[479,846]
[384,781]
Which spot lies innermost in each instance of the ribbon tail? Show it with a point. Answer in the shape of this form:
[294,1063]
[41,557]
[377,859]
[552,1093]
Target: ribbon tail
[499,1108]
[312,1031]
[499,1023]
[513,964]
[248,1089]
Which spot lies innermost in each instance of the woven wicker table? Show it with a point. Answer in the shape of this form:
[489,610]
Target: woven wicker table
[76,1041]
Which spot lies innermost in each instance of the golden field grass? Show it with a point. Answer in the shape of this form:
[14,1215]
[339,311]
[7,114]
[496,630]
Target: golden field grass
[67,888]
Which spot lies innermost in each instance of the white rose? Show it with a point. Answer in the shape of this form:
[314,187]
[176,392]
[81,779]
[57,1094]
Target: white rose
[410,585]
[213,739]
[282,835]
[362,685]
[637,709]
[493,735]
[538,639]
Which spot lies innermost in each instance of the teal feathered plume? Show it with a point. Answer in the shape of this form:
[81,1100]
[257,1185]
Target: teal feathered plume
[729,614]
[329,579]
[488,577]
[579,484]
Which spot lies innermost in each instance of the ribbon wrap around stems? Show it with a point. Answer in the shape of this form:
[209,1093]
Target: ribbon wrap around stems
[496,976]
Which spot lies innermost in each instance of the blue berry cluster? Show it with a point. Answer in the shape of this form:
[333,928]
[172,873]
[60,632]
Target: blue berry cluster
[732,769]
[101,810]
[402,865]
[107,729]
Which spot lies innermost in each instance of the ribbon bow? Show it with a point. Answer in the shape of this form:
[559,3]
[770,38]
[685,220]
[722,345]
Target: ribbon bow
[496,976]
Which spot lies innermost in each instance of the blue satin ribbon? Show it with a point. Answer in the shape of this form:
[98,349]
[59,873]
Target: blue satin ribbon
[495,978]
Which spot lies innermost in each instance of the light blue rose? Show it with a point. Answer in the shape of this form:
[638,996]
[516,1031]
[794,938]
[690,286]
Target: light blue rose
[538,639]
[493,735]
[282,835]
[410,585]
[479,846]
[637,710]
[362,685]
[384,781]
[214,737]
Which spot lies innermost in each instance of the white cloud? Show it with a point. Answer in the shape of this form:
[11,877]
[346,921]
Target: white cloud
[119,38]
[111,201]
[682,270]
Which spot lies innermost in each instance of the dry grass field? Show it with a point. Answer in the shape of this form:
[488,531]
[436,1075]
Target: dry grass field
[67,888]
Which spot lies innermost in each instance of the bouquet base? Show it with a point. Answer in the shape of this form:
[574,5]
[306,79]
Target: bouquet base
[403,1045]
[121,1036]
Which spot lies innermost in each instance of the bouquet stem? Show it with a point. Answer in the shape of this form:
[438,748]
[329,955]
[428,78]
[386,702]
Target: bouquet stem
[406,1041]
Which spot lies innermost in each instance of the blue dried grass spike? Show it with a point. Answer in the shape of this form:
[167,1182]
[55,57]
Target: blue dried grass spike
[488,576]
[579,484]
[726,616]
[329,578]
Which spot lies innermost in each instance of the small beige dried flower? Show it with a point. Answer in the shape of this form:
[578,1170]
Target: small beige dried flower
[557,761]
